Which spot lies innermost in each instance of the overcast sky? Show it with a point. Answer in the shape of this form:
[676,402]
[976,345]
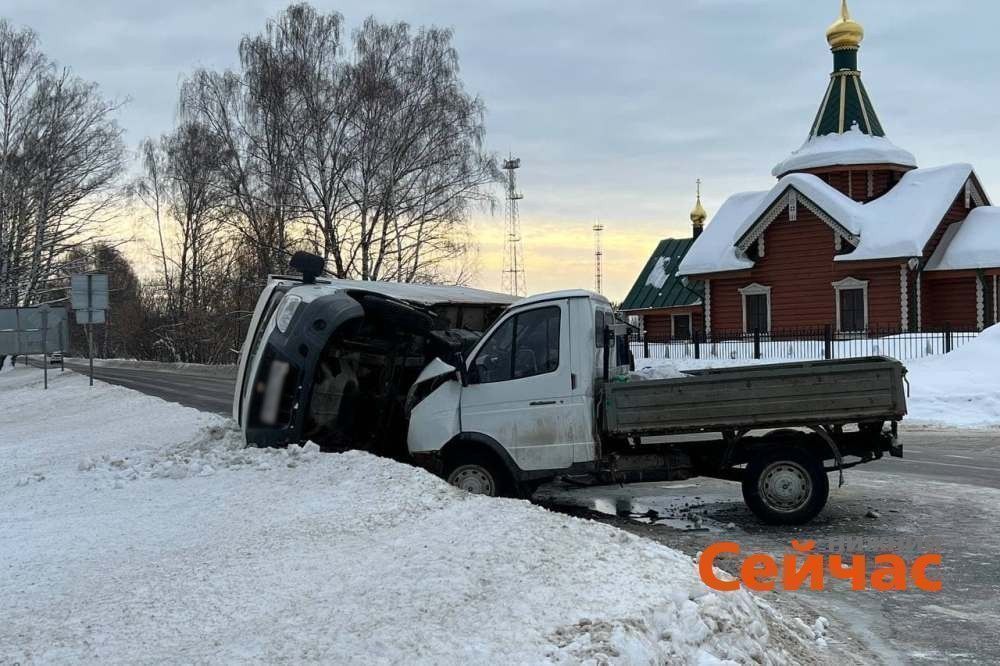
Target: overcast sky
[614,108]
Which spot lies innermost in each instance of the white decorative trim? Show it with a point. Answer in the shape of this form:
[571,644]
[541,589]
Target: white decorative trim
[755,290]
[708,308]
[760,247]
[847,284]
[850,184]
[757,230]
[838,243]
[980,305]
[972,192]
[904,299]
[996,299]
[919,277]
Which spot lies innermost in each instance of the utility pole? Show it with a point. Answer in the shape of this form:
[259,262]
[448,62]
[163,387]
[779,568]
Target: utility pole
[513,278]
[598,258]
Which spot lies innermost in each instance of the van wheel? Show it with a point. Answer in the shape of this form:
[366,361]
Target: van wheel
[479,474]
[785,486]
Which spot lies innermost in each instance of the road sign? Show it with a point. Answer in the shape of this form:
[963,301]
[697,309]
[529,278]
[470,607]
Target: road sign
[23,331]
[89,297]
[89,291]
[89,316]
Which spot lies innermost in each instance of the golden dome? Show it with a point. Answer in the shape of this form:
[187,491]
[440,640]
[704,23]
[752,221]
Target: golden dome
[845,32]
[698,214]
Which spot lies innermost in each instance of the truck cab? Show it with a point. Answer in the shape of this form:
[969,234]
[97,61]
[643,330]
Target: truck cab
[528,390]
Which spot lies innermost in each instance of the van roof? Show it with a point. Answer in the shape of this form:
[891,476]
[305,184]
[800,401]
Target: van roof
[423,294]
[565,293]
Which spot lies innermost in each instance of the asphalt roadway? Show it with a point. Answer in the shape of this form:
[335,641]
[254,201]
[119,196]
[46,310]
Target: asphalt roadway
[202,389]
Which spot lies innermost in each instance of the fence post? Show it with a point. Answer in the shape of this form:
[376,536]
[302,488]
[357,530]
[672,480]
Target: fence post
[697,346]
[645,345]
[947,338]
[756,343]
[828,342]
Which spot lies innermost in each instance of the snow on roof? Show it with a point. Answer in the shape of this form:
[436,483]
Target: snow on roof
[851,147]
[897,224]
[713,251]
[424,294]
[900,222]
[836,204]
[970,244]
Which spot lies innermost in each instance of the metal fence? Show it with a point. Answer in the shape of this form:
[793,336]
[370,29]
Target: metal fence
[805,344]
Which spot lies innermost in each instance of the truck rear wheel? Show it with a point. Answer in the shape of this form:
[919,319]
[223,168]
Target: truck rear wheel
[479,474]
[786,486]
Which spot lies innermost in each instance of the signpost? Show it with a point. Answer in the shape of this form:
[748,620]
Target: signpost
[35,330]
[89,299]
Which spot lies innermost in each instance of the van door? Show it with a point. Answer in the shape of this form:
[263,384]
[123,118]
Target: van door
[520,388]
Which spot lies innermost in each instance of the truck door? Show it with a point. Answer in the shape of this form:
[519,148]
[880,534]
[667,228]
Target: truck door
[521,389]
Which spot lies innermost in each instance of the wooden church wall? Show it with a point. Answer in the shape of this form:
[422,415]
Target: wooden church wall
[798,266]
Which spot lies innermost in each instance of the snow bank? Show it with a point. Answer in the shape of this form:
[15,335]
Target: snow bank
[961,388]
[146,533]
[850,147]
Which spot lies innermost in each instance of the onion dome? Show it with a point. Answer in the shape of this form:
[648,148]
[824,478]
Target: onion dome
[845,32]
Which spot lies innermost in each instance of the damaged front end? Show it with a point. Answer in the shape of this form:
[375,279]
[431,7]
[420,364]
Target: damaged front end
[336,367]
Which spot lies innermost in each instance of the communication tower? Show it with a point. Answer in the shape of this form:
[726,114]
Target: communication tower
[513,278]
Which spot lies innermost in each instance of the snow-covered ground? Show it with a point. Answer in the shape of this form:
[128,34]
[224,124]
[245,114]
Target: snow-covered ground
[135,530]
[961,388]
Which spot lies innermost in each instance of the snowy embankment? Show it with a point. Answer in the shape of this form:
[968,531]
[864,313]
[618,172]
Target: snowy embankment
[960,389]
[136,530]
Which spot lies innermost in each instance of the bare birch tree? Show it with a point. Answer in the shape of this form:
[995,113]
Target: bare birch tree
[62,155]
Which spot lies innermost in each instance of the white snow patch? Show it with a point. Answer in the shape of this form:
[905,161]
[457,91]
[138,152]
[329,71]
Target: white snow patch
[349,558]
[658,276]
[851,147]
[970,244]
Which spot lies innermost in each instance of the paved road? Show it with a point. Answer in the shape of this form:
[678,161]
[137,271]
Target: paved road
[192,388]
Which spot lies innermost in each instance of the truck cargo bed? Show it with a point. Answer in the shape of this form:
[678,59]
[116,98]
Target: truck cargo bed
[760,396]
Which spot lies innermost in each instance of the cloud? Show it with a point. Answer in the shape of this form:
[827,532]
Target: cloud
[614,108]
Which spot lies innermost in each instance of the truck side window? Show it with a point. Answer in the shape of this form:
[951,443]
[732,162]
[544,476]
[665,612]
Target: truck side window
[600,321]
[525,345]
[536,342]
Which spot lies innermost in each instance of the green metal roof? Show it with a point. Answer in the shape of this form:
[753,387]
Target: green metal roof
[658,285]
[846,102]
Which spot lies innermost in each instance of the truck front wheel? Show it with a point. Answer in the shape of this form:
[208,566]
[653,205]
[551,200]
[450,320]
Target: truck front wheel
[479,474]
[785,486]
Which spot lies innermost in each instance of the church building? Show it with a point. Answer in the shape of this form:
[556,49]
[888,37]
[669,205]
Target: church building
[853,234]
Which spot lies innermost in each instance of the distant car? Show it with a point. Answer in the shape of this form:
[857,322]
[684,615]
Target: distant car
[55,357]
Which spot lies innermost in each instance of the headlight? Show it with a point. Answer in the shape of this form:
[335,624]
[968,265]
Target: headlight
[289,304]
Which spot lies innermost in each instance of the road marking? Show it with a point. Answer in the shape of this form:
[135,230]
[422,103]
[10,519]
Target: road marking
[953,455]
